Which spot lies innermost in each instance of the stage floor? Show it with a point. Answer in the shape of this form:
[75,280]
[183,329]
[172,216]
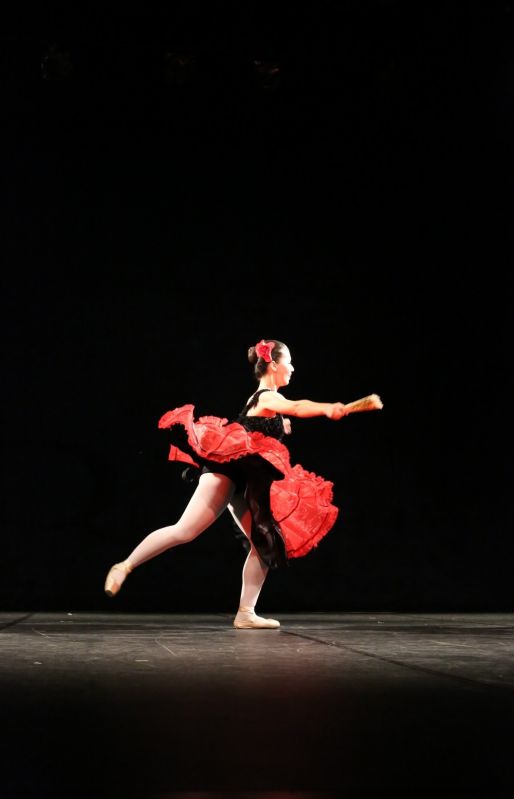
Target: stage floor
[344,704]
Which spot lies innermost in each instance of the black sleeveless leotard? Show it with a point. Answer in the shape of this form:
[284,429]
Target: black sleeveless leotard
[268,425]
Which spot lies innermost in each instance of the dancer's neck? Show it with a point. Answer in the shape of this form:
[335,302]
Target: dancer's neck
[268,384]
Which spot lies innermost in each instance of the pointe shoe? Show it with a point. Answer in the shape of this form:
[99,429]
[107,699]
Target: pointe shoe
[112,586]
[246,619]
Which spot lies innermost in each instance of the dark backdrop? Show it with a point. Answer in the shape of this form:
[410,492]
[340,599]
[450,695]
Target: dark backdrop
[179,184]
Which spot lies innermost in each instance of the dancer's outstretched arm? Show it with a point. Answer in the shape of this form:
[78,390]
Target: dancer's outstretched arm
[304,408]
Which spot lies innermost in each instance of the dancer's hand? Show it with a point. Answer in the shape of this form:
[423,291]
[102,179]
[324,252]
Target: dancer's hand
[336,411]
[287,426]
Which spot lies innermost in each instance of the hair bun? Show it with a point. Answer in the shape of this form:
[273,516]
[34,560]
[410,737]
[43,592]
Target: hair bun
[252,355]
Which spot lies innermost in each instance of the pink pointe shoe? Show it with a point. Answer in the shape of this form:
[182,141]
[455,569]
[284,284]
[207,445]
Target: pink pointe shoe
[113,581]
[246,619]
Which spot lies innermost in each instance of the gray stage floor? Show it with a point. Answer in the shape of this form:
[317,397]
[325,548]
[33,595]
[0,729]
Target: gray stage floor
[167,706]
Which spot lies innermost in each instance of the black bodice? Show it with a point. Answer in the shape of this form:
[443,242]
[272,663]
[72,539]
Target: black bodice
[269,425]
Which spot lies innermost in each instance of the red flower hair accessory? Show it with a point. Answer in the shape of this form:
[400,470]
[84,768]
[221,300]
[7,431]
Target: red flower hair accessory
[263,350]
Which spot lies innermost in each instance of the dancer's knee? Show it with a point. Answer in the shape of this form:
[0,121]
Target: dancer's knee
[174,534]
[208,501]
[180,534]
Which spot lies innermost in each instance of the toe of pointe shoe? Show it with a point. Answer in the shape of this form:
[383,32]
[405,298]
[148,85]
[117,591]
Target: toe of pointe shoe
[112,586]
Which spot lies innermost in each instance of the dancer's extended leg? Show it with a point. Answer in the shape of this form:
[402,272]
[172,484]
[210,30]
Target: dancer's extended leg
[209,500]
[254,573]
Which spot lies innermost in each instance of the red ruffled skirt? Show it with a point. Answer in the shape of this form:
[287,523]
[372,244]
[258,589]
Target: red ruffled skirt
[300,501]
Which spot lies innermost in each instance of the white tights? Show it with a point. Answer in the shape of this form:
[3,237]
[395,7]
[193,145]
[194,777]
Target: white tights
[214,493]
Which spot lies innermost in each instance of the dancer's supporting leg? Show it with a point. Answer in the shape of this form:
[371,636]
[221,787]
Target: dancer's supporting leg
[209,500]
[254,573]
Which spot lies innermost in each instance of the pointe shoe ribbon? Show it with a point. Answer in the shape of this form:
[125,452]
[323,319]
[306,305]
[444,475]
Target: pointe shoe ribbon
[247,619]
[112,586]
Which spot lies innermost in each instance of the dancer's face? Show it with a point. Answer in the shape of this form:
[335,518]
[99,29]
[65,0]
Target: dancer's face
[284,369]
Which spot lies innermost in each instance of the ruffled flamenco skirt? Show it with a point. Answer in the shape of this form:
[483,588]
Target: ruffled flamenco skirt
[291,508]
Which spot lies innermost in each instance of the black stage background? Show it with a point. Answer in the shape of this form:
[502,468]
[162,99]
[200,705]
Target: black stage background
[179,184]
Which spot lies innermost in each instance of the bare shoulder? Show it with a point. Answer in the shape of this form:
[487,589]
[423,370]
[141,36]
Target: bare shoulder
[268,397]
[268,404]
[273,401]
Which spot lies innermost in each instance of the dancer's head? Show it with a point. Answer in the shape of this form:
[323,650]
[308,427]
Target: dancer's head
[271,357]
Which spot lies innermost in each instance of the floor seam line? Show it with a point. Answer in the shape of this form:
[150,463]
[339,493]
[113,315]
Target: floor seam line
[16,621]
[469,681]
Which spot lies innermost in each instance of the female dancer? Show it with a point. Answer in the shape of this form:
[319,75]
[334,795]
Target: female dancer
[283,510]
